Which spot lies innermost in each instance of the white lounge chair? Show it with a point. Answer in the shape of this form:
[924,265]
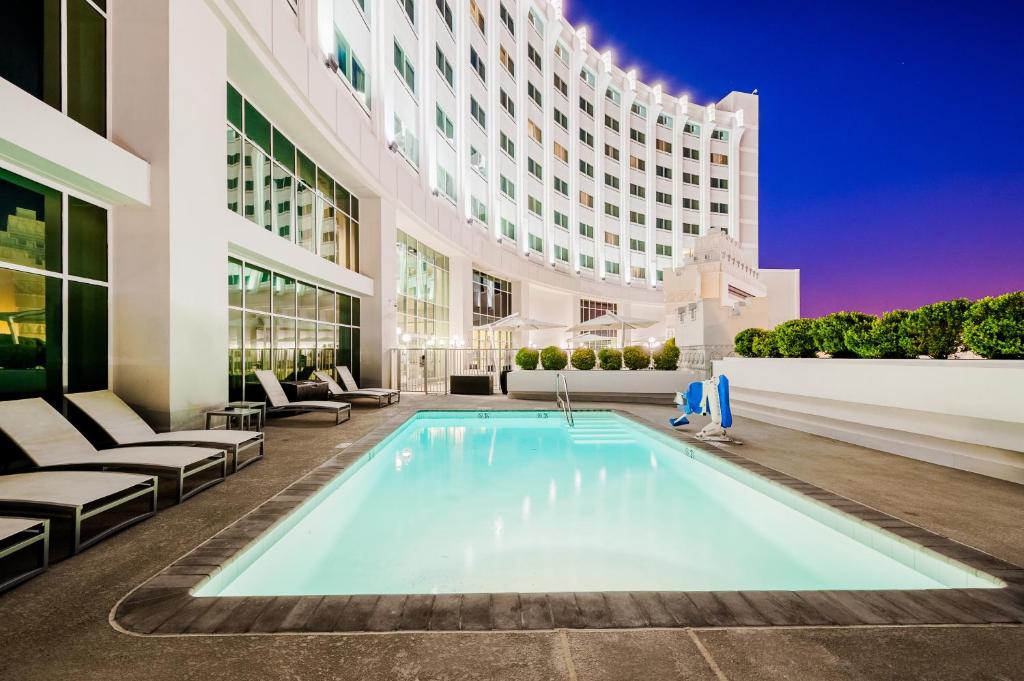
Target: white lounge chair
[279,401]
[77,496]
[337,392]
[19,535]
[127,428]
[51,442]
[349,381]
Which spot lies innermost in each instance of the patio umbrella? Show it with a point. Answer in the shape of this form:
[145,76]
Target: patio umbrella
[614,322]
[516,322]
[584,338]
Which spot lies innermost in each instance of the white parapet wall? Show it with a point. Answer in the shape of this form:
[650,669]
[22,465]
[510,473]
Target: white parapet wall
[649,386]
[966,414]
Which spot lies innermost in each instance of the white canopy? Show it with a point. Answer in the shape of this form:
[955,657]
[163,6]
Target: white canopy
[614,322]
[517,322]
[590,338]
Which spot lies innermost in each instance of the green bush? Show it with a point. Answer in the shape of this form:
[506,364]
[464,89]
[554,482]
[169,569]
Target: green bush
[553,358]
[666,358]
[527,358]
[610,358]
[935,330]
[830,331]
[882,339]
[795,338]
[583,359]
[744,341]
[994,327]
[636,357]
[766,345]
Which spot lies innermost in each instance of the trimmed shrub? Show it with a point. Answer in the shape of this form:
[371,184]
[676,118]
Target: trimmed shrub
[994,327]
[610,358]
[553,358]
[583,359]
[636,357]
[795,338]
[666,358]
[830,331]
[935,330]
[766,345]
[527,358]
[744,341]
[882,339]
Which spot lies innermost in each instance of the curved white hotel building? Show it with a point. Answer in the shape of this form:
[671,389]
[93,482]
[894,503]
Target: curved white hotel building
[193,189]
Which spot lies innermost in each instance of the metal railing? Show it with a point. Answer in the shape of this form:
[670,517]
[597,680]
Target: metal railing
[428,370]
[563,402]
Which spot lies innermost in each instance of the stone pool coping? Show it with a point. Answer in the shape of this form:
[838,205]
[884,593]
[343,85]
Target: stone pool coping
[165,606]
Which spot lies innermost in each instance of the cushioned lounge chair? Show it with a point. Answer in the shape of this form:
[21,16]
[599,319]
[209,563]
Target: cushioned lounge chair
[339,393]
[77,496]
[51,442]
[349,381]
[279,401]
[126,428]
[22,535]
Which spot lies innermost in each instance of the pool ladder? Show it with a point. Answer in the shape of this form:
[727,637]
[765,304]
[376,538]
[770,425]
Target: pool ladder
[562,398]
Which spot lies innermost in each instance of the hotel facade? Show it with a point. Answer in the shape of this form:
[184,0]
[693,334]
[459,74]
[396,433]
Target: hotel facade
[194,189]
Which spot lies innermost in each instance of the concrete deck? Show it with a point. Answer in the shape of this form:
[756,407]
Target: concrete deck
[57,625]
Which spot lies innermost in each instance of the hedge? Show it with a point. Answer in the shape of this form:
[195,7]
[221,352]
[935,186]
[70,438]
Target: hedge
[935,330]
[766,345]
[830,331]
[744,341]
[880,340]
[610,358]
[666,358]
[583,359]
[527,358]
[994,327]
[636,357]
[795,338]
[553,358]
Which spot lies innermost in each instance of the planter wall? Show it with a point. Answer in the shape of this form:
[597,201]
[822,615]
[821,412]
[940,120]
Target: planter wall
[966,414]
[652,387]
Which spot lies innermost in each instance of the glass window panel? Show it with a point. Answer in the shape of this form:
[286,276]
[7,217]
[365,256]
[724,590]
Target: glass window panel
[326,347]
[341,238]
[284,348]
[353,246]
[306,300]
[344,309]
[87,240]
[306,356]
[325,301]
[256,350]
[344,356]
[257,128]
[257,289]
[234,107]
[234,283]
[327,230]
[354,212]
[284,295]
[87,337]
[30,223]
[30,57]
[355,312]
[87,66]
[234,161]
[30,336]
[284,150]
[354,367]
[235,356]
[307,169]
[325,185]
[305,216]
[341,199]
[284,203]
[257,186]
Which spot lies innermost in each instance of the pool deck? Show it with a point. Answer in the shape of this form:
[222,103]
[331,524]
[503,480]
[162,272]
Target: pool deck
[57,625]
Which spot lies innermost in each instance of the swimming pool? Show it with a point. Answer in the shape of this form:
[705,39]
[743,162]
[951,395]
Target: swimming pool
[513,501]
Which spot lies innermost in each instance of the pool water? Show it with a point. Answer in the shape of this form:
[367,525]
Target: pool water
[520,502]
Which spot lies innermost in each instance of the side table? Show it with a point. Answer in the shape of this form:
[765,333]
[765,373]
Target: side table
[244,416]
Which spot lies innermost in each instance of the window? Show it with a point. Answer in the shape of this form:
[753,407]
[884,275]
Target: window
[691,178]
[536,243]
[533,92]
[561,253]
[611,152]
[561,186]
[691,228]
[587,169]
[659,275]
[506,19]
[506,61]
[445,125]
[444,67]
[405,68]
[477,64]
[589,309]
[637,136]
[663,172]
[507,103]
[534,132]
[534,56]
[561,153]
[639,109]
[611,267]
[535,21]
[478,17]
[507,145]
[722,135]
[445,10]
[719,183]
[663,224]
[562,52]
[492,300]
[611,123]
[508,229]
[663,198]
[638,272]
[586,261]
[477,162]
[477,112]
[561,220]
[405,138]
[613,95]
[446,183]
[586,230]
[637,218]
[637,163]
[586,199]
[692,154]
[665,121]
[611,238]
[637,245]
[691,204]
[587,77]
[587,138]
[534,168]
[691,129]
[611,210]
[561,85]
[587,107]
[535,206]
[721,208]
[637,191]
[562,120]
[663,146]
[611,180]
[478,209]
[410,9]
[507,187]
[720,159]
[663,249]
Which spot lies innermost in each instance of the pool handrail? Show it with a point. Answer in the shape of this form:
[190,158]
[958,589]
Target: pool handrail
[563,403]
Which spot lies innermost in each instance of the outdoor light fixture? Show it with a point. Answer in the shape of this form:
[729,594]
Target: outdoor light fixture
[406,338]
